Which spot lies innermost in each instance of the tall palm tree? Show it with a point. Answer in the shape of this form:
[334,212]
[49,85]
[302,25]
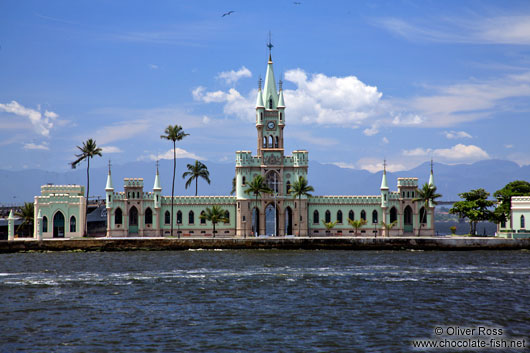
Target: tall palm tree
[298,189]
[425,194]
[356,224]
[233,186]
[215,215]
[88,151]
[27,213]
[196,171]
[173,133]
[257,187]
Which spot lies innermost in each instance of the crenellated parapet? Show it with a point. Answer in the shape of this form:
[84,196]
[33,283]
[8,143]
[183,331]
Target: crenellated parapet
[246,159]
[199,200]
[346,200]
[407,182]
[74,190]
[133,182]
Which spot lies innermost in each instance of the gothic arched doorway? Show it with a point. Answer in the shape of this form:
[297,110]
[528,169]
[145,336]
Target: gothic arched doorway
[58,225]
[288,221]
[271,220]
[407,220]
[133,220]
[255,221]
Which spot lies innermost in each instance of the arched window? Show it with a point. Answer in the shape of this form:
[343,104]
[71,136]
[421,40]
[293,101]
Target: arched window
[272,180]
[203,220]
[374,217]
[227,216]
[351,215]
[327,217]
[72,225]
[260,117]
[339,216]
[167,218]
[393,214]
[265,141]
[148,216]
[244,180]
[316,217]
[118,216]
[408,194]
[270,103]
[288,187]
[423,215]
[179,217]
[363,215]
[271,143]
[276,144]
[44,224]
[522,222]
[110,198]
[281,116]
[407,216]
[191,217]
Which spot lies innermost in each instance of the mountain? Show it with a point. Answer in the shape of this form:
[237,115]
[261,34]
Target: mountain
[19,186]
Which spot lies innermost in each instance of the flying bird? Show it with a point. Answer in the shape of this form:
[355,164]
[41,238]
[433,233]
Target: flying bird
[227,13]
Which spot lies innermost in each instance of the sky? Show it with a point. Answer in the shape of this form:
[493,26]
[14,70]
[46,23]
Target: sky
[364,81]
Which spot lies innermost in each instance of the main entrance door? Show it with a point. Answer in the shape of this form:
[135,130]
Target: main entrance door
[133,220]
[58,225]
[271,220]
[407,220]
[288,221]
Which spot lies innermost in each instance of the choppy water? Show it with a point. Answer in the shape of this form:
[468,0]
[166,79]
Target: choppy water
[255,301]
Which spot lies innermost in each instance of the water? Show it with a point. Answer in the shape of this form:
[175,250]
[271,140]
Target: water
[255,301]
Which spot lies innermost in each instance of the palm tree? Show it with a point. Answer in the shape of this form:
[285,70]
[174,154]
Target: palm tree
[173,133]
[215,215]
[233,186]
[27,213]
[388,226]
[425,194]
[298,189]
[88,151]
[329,225]
[196,171]
[257,187]
[356,224]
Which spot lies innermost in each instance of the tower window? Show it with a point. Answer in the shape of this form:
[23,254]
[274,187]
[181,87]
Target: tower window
[270,103]
[315,217]
[281,116]
[276,144]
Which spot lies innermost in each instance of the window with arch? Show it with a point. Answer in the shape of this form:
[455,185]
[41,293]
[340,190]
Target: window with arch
[148,216]
[281,116]
[408,194]
[110,198]
[72,225]
[261,117]
[118,216]
[393,214]
[339,216]
[179,217]
[156,197]
[244,180]
[363,215]
[191,217]
[351,215]
[523,226]
[276,144]
[270,103]
[265,141]
[423,215]
[316,218]
[271,141]
[327,217]
[227,216]
[167,217]
[288,187]
[374,217]
[272,180]
[44,224]
[203,220]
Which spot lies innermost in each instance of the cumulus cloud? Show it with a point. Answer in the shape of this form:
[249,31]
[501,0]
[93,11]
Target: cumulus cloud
[32,146]
[457,153]
[181,153]
[42,123]
[407,120]
[457,135]
[233,76]
[153,66]
[111,149]
[374,165]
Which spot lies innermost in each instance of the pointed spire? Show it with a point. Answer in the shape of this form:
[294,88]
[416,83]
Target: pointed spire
[157,186]
[431,178]
[259,100]
[384,184]
[270,46]
[11,216]
[281,103]
[109,186]
[269,90]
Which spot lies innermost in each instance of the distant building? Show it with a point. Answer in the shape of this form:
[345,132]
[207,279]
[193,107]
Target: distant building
[517,224]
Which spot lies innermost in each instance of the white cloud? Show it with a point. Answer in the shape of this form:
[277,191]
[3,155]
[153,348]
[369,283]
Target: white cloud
[41,124]
[508,146]
[344,165]
[374,165]
[458,153]
[233,76]
[153,66]
[32,146]
[456,135]
[206,120]
[407,120]
[121,131]
[385,140]
[111,149]
[181,153]
[371,131]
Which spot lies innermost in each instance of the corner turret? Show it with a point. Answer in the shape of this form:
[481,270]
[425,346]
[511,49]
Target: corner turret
[109,189]
[384,188]
[157,189]
[11,226]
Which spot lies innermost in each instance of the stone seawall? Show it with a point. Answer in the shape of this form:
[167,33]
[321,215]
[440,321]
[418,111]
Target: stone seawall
[401,243]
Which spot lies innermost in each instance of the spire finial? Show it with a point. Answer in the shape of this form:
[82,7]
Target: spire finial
[431,165]
[280,84]
[109,166]
[384,166]
[259,83]
[270,46]
[157,167]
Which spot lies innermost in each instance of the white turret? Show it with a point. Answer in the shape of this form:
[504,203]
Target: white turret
[384,188]
[157,189]
[11,226]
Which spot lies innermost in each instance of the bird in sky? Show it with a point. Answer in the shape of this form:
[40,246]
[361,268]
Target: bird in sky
[227,13]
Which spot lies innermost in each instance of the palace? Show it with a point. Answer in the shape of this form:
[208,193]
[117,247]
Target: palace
[59,211]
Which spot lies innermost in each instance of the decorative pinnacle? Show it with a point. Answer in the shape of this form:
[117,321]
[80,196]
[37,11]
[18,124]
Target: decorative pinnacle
[431,165]
[270,46]
[157,166]
[280,84]
[259,83]
[384,166]
[109,166]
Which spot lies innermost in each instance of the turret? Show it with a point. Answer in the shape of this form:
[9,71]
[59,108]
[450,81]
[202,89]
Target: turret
[281,105]
[270,96]
[109,190]
[157,189]
[384,188]
[39,226]
[11,226]
[431,182]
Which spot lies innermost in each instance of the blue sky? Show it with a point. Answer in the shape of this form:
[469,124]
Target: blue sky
[364,81]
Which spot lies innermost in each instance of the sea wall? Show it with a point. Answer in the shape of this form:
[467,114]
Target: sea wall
[358,243]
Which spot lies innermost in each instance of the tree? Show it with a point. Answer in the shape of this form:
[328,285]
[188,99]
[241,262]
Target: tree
[329,226]
[233,186]
[215,215]
[298,189]
[196,171]
[173,133]
[88,151]
[474,207]
[388,226]
[427,195]
[504,197]
[257,187]
[27,213]
[356,224]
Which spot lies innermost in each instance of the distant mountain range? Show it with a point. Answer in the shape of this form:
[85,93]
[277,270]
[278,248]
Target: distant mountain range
[19,186]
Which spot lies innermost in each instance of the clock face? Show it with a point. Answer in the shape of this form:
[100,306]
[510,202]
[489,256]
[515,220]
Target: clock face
[270,125]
